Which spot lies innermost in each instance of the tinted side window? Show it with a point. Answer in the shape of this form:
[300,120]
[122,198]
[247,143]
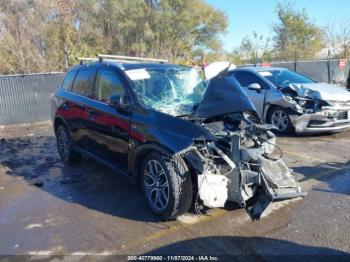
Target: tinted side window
[108,84]
[247,78]
[68,80]
[84,82]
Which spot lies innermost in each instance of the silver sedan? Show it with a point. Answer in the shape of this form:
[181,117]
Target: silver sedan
[293,102]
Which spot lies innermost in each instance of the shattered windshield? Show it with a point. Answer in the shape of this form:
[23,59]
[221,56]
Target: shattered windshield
[171,90]
[282,78]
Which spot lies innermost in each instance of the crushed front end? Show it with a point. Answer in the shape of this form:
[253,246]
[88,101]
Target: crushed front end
[243,164]
[322,116]
[241,167]
[324,109]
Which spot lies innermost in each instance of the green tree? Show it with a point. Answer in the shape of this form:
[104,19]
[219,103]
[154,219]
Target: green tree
[41,35]
[296,33]
[21,44]
[182,27]
[254,48]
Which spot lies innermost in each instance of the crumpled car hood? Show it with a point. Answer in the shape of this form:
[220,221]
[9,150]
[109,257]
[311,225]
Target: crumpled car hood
[215,68]
[322,91]
[223,95]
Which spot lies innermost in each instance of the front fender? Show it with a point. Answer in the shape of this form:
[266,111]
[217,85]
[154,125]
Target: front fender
[152,130]
[137,154]
[278,99]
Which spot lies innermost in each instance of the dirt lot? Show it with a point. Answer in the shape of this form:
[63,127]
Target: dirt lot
[47,208]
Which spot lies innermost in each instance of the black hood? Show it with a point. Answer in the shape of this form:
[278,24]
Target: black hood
[223,95]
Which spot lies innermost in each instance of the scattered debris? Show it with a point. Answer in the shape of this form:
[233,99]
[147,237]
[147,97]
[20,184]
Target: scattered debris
[70,180]
[5,168]
[37,183]
[31,226]
[188,219]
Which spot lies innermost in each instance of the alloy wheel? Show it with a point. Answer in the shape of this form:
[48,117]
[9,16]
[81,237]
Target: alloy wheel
[156,185]
[63,143]
[280,119]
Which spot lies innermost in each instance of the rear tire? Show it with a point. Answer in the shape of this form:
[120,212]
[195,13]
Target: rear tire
[279,117]
[167,185]
[65,146]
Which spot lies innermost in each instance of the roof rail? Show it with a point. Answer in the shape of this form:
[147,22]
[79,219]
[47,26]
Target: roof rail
[87,59]
[127,59]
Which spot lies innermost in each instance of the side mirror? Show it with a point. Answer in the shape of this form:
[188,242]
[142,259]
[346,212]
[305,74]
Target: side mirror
[120,103]
[254,86]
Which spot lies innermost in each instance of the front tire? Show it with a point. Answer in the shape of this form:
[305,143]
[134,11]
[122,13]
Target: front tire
[65,146]
[279,117]
[167,185]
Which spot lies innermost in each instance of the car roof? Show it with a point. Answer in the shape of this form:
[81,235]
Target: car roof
[259,68]
[128,66]
[122,66]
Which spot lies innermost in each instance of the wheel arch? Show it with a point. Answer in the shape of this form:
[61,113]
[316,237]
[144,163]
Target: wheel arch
[139,153]
[269,110]
[59,121]
[271,107]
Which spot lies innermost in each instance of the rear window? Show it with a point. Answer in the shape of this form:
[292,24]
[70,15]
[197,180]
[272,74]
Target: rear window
[68,80]
[84,82]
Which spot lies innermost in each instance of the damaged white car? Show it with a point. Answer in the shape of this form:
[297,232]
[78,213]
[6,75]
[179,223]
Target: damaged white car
[293,102]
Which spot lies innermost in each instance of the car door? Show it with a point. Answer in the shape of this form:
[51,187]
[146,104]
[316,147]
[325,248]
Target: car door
[257,96]
[76,105]
[109,127]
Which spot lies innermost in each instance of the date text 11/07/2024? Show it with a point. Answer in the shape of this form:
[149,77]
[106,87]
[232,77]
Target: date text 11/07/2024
[173,258]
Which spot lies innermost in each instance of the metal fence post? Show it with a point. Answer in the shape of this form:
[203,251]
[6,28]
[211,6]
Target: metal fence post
[256,59]
[295,60]
[329,66]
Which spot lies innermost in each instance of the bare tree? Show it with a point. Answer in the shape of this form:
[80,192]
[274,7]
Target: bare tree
[338,37]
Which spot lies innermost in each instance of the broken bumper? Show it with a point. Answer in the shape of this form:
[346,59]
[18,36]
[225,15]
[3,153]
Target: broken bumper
[244,176]
[327,120]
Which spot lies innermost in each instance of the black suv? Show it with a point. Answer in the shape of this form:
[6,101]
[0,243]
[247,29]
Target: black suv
[159,124]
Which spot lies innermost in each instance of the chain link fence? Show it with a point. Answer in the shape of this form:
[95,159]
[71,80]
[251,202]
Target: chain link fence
[26,98]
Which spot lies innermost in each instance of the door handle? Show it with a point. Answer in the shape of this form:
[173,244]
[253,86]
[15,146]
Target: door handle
[81,106]
[65,106]
[91,112]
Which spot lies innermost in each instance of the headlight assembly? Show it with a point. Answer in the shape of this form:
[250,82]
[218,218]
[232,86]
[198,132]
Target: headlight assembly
[302,103]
